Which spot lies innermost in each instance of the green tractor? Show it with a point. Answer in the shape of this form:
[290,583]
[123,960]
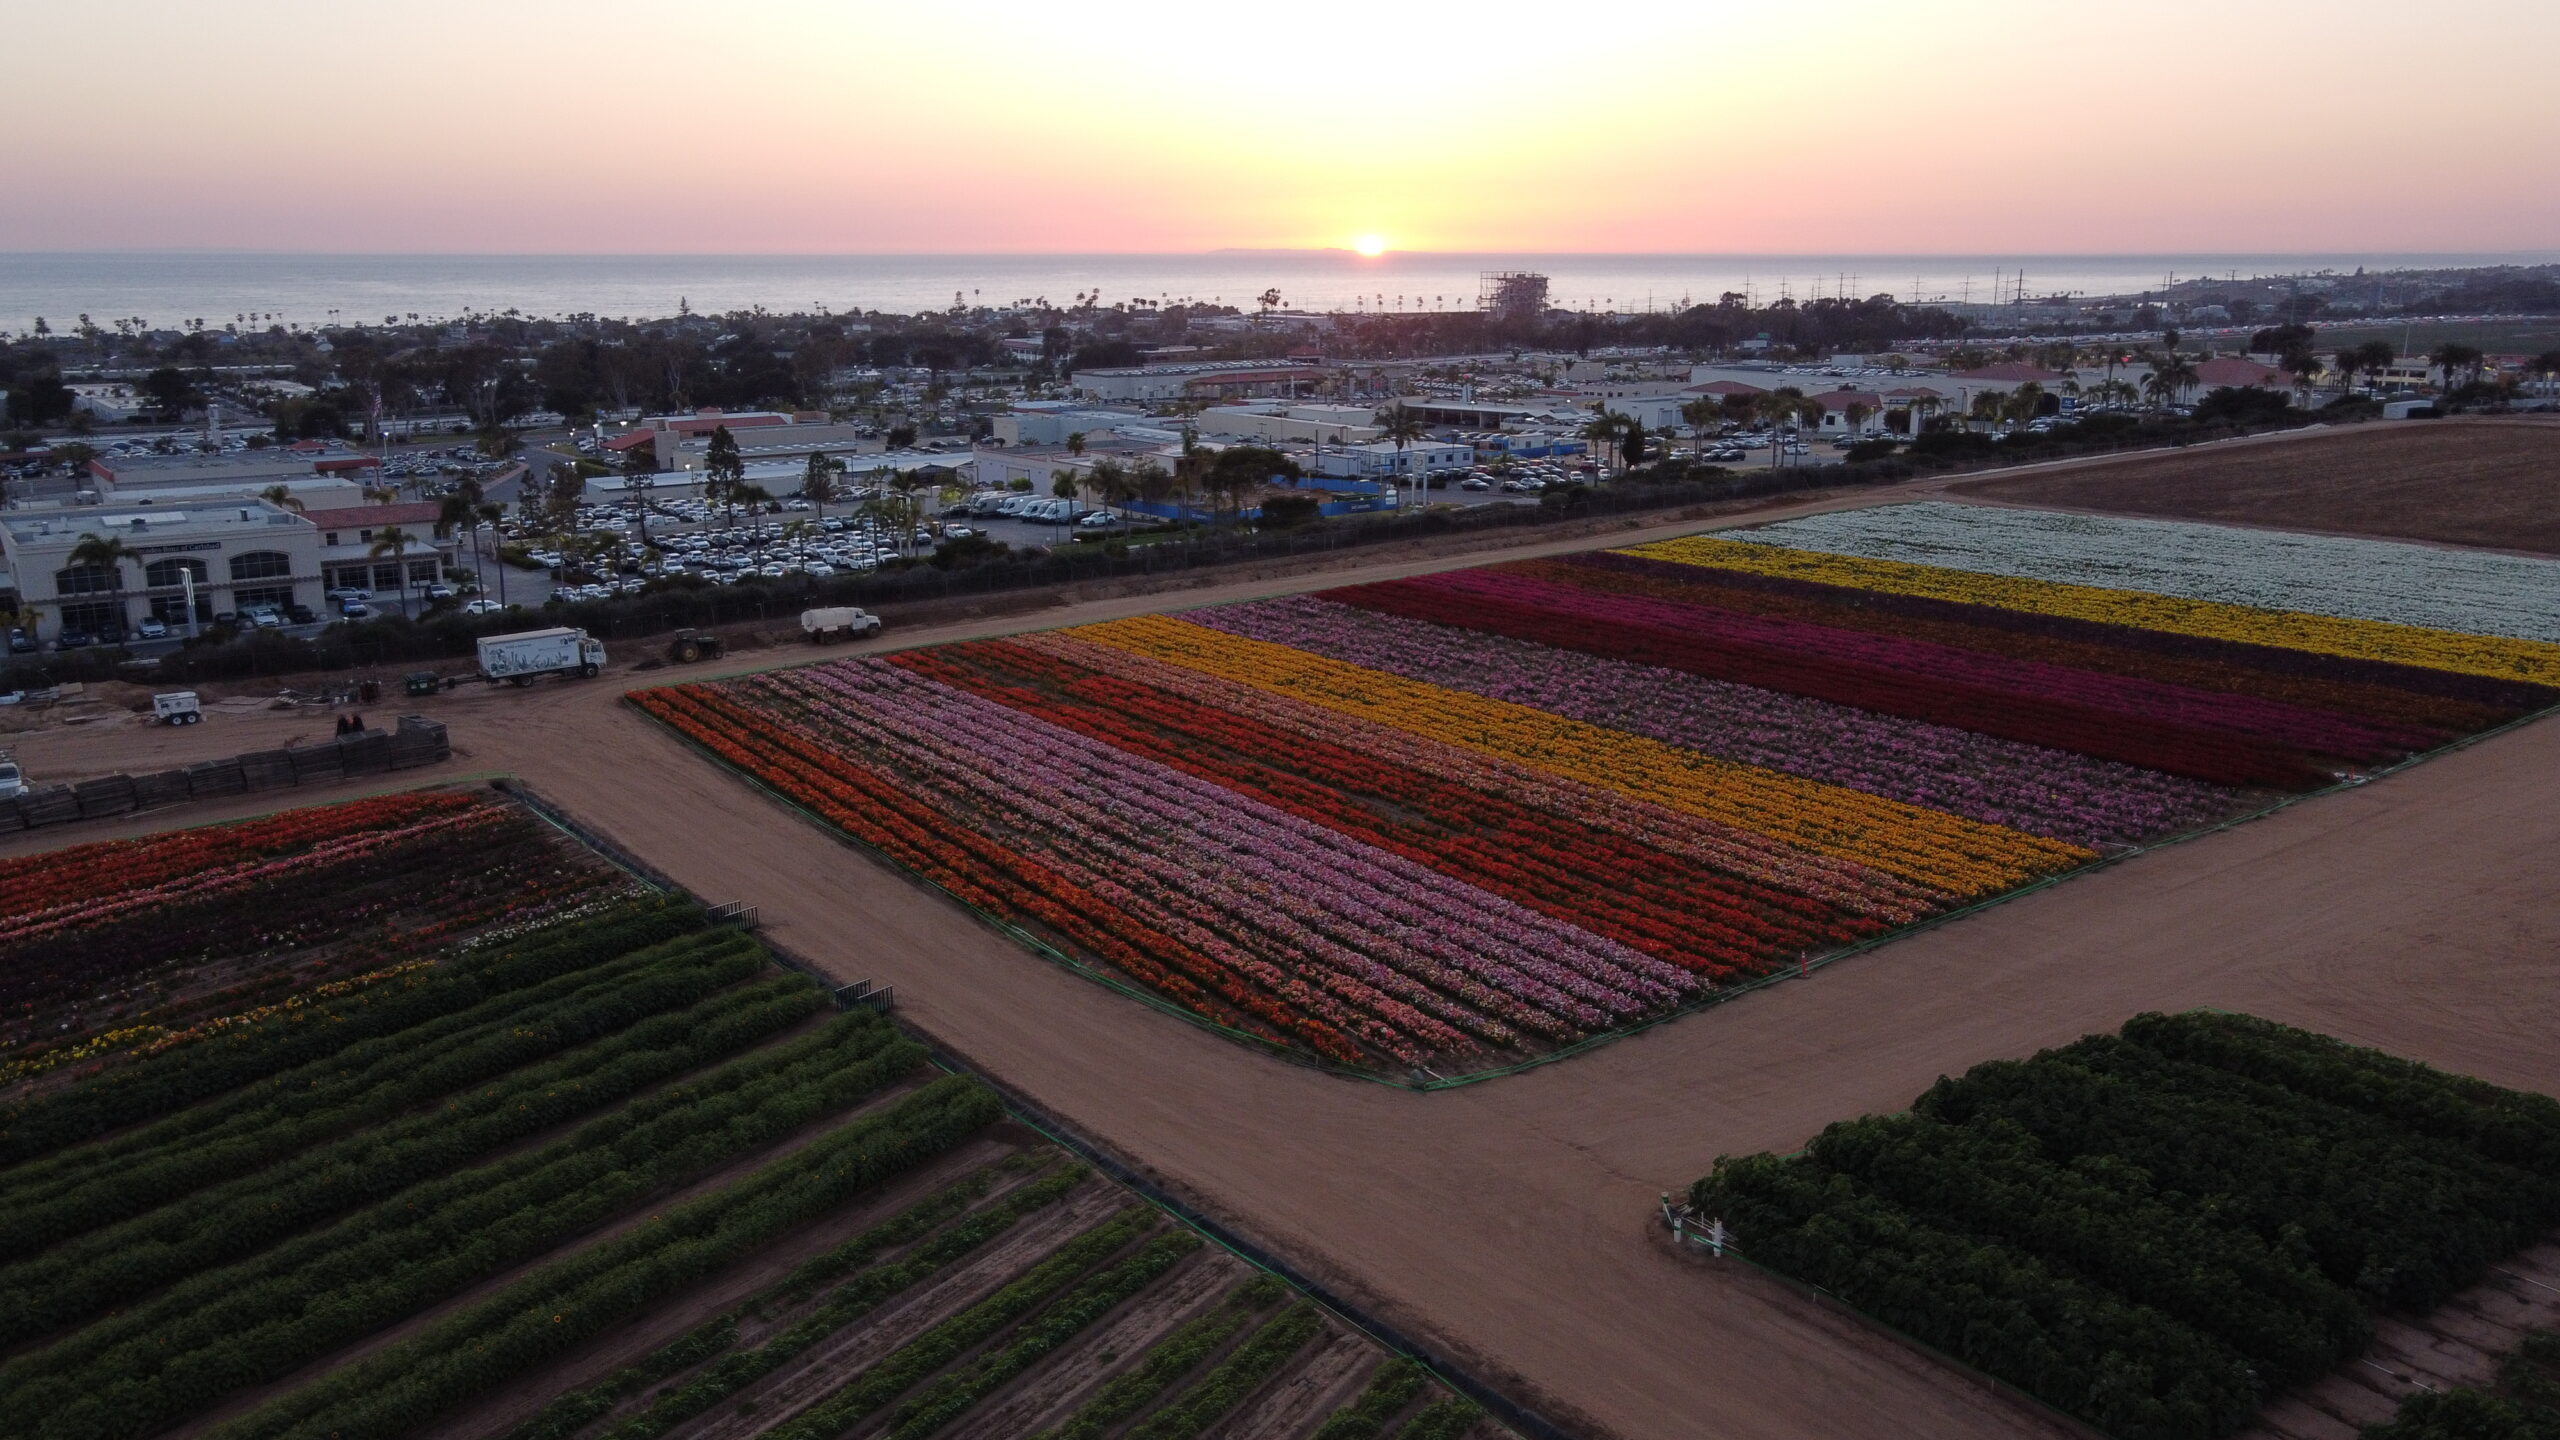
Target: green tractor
[692,645]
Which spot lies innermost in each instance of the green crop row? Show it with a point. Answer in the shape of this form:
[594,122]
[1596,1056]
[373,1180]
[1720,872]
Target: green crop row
[194,1073]
[1443,1419]
[573,1411]
[859,1297]
[1167,1361]
[254,1322]
[621,997]
[948,1398]
[569,1301]
[902,1369]
[1385,1397]
[2156,1231]
[1239,1375]
[361,1083]
[228,1222]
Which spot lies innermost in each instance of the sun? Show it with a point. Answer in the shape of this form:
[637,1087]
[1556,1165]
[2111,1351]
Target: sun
[1371,245]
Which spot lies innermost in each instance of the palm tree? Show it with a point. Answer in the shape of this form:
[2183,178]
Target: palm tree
[1987,406]
[1403,428]
[1075,443]
[2449,358]
[1856,413]
[1780,407]
[1112,483]
[283,498]
[2306,375]
[108,553]
[395,542]
[2159,389]
[1603,430]
[1701,415]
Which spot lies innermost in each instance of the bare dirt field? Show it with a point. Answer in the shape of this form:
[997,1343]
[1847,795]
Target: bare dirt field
[1508,1224]
[2492,481]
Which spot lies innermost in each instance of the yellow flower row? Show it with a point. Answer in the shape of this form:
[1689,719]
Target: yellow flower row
[1964,857]
[2489,655]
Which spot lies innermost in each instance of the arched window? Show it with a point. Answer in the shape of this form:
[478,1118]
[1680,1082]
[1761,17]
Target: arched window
[83,580]
[163,573]
[261,565]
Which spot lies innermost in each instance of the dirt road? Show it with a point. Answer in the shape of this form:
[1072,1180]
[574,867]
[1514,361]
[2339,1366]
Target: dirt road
[1508,1222]
[2488,481]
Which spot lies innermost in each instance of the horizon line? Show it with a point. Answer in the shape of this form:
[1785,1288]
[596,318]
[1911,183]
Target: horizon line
[94,252]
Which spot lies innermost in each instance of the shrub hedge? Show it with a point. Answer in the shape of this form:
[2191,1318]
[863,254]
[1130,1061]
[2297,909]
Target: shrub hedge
[2157,1231]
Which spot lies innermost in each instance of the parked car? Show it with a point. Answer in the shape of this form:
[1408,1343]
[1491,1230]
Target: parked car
[74,640]
[350,592]
[299,613]
[482,607]
[439,591]
[354,610]
[151,627]
[21,642]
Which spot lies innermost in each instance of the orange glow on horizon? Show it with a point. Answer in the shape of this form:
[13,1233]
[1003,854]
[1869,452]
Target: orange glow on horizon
[811,127]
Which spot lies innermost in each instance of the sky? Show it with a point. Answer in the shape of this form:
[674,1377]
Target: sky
[837,126]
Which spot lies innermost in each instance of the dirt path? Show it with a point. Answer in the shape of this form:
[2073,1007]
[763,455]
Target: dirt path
[1507,1223]
[2476,481]
[2462,1342]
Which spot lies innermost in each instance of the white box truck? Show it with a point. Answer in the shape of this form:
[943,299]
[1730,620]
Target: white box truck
[177,707]
[518,658]
[851,621]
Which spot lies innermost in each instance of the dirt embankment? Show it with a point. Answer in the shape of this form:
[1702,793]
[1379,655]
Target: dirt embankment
[2492,481]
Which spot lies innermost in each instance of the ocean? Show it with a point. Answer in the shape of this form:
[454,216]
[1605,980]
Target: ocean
[167,290]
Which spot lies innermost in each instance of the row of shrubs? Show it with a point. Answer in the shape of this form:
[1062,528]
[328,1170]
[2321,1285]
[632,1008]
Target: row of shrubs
[364,1030]
[865,1293]
[223,1223]
[222,1330]
[519,1035]
[2159,1230]
[411,1384]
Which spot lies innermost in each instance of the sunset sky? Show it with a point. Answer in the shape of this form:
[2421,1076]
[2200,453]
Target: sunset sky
[1711,125]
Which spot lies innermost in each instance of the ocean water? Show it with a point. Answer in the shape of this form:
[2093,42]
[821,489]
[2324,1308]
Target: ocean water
[169,289]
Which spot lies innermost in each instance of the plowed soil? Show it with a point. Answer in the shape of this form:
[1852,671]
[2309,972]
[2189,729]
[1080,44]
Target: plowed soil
[1509,1224]
[2492,481]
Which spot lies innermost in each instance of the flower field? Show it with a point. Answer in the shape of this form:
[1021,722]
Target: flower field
[1452,822]
[123,947]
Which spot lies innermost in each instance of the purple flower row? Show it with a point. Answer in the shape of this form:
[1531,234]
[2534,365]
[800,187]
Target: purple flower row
[2053,793]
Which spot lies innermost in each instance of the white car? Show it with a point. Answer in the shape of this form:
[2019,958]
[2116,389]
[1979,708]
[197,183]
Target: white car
[151,627]
[482,607]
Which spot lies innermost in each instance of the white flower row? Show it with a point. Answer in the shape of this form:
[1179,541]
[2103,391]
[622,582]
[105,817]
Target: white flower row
[2468,591]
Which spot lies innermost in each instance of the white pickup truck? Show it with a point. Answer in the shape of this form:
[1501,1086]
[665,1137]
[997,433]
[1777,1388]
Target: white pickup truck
[178,707]
[850,621]
[519,658]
